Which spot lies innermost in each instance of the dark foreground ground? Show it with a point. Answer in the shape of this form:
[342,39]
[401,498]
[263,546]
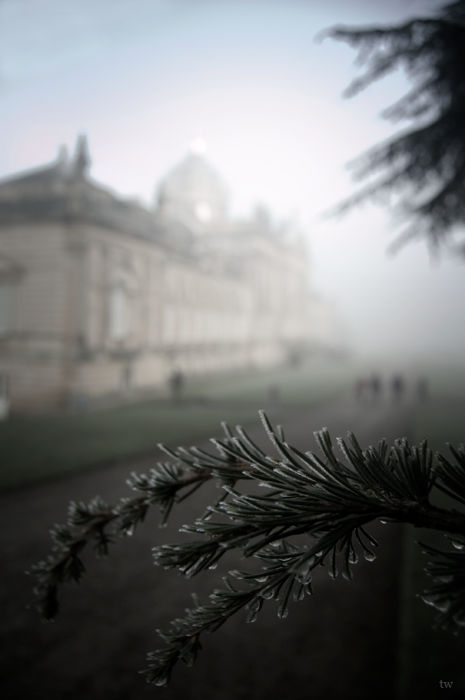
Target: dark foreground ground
[342,643]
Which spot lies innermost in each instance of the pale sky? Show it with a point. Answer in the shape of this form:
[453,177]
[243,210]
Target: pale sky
[143,78]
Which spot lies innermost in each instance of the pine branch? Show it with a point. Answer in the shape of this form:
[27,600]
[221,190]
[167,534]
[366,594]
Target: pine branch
[331,501]
[100,524]
[310,510]
[423,165]
[447,592]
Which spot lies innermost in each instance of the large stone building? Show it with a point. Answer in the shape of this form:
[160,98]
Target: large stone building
[100,295]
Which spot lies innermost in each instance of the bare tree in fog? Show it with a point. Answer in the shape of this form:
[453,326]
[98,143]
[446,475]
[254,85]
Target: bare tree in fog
[423,166]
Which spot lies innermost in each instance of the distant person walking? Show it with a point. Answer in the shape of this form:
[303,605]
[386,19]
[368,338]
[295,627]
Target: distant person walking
[176,382]
[368,387]
[359,387]
[397,386]
[375,385]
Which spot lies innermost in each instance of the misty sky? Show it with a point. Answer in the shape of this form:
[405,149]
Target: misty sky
[143,78]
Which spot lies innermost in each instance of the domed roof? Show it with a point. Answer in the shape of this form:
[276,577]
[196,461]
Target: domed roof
[193,189]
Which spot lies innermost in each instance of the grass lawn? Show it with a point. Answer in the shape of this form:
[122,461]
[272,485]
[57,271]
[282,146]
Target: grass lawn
[34,448]
[318,379]
[38,447]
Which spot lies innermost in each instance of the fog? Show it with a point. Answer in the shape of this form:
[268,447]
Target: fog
[143,79]
[168,260]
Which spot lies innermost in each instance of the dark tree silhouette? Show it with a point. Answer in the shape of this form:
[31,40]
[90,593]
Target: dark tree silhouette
[423,167]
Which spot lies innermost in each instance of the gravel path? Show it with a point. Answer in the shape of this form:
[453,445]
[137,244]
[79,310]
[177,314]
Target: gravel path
[339,644]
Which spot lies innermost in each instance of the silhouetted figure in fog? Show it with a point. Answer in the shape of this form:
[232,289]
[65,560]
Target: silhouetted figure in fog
[375,386]
[176,382]
[368,387]
[397,386]
[360,387]
[422,389]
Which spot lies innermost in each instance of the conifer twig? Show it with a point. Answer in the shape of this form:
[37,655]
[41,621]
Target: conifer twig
[310,510]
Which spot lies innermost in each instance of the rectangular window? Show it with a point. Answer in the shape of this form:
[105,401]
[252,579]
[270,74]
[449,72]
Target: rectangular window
[119,316]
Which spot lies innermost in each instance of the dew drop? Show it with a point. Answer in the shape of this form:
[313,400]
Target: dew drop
[459,618]
[369,556]
[300,594]
[429,600]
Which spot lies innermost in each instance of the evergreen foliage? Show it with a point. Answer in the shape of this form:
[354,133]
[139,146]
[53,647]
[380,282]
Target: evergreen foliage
[288,513]
[424,165]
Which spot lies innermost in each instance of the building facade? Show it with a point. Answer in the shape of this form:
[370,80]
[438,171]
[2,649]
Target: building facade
[100,295]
